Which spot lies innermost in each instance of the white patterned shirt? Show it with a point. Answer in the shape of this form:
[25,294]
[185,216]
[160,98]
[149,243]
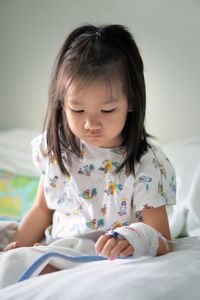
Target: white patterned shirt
[95,196]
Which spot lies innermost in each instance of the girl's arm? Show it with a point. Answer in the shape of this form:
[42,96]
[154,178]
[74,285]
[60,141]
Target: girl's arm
[154,217]
[157,218]
[32,227]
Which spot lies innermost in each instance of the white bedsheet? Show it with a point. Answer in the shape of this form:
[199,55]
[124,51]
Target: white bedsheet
[172,276]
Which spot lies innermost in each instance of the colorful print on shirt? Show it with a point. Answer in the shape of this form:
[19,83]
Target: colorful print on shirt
[97,197]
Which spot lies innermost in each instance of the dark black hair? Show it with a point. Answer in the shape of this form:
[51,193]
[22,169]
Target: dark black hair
[87,53]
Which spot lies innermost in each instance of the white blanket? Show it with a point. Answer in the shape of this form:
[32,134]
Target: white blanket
[29,261]
[63,253]
[172,276]
[77,256]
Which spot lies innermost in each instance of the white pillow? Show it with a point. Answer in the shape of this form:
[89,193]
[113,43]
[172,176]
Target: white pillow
[16,152]
[193,220]
[184,217]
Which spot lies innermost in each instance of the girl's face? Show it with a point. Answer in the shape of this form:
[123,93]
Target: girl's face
[97,112]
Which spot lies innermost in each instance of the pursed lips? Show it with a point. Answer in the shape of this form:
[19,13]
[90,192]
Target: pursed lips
[93,135]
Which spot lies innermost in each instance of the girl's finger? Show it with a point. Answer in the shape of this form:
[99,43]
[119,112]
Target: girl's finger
[11,246]
[100,243]
[119,247]
[128,251]
[37,244]
[108,246]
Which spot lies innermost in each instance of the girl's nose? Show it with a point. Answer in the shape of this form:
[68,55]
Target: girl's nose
[92,124]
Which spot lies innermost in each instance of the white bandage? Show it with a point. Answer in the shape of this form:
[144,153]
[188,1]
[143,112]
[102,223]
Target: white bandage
[143,238]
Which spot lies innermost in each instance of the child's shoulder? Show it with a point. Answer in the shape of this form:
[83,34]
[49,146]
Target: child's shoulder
[44,158]
[39,152]
[153,158]
[40,141]
[154,150]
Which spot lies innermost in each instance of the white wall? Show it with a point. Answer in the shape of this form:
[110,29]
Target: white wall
[168,35]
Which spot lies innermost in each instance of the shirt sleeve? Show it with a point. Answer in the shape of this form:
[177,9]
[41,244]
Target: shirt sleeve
[40,153]
[155,181]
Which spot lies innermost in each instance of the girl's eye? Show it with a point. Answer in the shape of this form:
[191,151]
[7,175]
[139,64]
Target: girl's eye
[108,111]
[77,111]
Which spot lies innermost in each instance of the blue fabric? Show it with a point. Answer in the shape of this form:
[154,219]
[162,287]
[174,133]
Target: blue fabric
[77,259]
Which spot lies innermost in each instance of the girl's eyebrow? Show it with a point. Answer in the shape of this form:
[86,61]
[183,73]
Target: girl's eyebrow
[108,101]
[111,100]
[73,101]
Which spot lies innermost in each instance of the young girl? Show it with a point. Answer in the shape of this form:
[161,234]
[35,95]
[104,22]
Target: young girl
[100,172]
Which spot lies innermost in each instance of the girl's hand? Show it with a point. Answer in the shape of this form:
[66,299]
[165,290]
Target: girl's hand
[12,245]
[38,244]
[112,247]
